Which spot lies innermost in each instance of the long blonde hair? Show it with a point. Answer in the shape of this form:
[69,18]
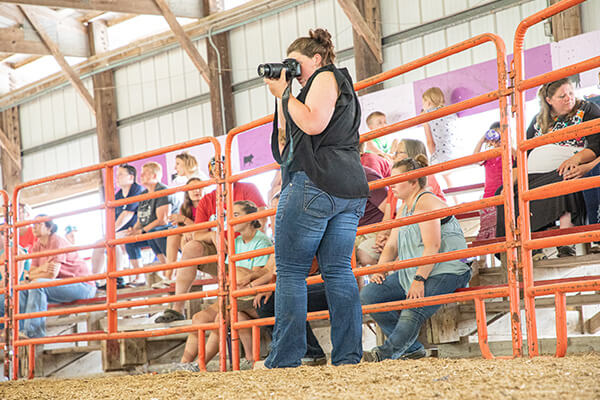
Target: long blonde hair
[544,118]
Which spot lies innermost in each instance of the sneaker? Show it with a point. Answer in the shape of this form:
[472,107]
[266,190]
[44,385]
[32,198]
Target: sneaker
[190,367]
[246,365]
[371,356]
[538,255]
[595,247]
[415,355]
[169,315]
[120,284]
[314,361]
[566,251]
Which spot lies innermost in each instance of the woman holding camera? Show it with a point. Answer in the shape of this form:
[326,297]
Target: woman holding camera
[323,197]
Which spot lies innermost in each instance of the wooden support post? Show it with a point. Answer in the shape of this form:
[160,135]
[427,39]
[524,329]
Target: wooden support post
[367,62]
[105,97]
[368,54]
[111,359]
[10,155]
[567,23]
[133,352]
[221,81]
[72,76]
[184,40]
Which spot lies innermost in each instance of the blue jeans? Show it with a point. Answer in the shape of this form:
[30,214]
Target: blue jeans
[34,300]
[317,301]
[402,327]
[312,222]
[158,245]
[592,198]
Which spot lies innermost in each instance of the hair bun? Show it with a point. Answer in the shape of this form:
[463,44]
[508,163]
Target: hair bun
[422,159]
[322,36]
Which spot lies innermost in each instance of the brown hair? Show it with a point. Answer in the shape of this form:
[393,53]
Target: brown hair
[188,205]
[544,118]
[435,96]
[249,208]
[317,42]
[189,161]
[409,164]
[414,147]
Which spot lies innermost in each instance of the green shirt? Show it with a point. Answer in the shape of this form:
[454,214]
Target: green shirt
[259,241]
[410,245]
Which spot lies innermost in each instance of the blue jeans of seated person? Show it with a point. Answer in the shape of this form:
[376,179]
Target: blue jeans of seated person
[317,301]
[2,310]
[402,327]
[158,245]
[592,198]
[312,222]
[35,300]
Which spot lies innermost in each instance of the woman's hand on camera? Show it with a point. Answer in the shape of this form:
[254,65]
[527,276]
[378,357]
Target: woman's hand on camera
[277,86]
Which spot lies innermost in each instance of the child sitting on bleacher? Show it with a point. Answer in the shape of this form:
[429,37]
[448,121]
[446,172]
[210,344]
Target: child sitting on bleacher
[493,180]
[250,238]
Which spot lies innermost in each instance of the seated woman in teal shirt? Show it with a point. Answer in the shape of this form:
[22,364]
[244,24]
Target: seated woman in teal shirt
[406,242]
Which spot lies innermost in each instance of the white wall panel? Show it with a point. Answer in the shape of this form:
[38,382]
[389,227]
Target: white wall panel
[390,17]
[454,6]
[409,15]
[178,126]
[305,14]
[457,34]
[158,81]
[431,10]
[535,35]
[55,115]
[64,157]
[342,37]
[590,10]
[412,50]
[434,42]
[487,51]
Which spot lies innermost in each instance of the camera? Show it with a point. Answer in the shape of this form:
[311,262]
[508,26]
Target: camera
[273,70]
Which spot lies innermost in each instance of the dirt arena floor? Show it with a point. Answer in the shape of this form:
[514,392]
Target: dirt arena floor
[547,378]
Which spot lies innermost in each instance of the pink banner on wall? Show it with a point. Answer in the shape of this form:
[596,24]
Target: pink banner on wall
[475,80]
[254,147]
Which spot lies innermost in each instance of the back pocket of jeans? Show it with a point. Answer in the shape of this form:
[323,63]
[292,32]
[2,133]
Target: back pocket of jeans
[317,202]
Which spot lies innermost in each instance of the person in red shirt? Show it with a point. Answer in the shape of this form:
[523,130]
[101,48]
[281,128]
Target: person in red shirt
[204,242]
[65,265]
[26,236]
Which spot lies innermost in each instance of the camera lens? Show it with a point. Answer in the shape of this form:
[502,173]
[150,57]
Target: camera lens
[263,70]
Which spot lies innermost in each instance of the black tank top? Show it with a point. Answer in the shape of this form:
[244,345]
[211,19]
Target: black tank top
[330,159]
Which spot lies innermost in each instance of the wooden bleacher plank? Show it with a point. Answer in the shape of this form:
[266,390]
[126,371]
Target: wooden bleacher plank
[543,302]
[72,349]
[568,262]
[143,324]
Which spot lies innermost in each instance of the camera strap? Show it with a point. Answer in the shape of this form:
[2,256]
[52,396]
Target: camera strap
[285,98]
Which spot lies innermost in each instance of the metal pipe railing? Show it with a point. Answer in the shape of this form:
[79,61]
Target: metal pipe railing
[584,129]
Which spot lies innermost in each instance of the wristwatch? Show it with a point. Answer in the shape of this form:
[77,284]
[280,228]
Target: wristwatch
[419,278]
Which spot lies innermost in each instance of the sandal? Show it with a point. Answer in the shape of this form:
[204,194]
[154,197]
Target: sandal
[169,315]
[566,251]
